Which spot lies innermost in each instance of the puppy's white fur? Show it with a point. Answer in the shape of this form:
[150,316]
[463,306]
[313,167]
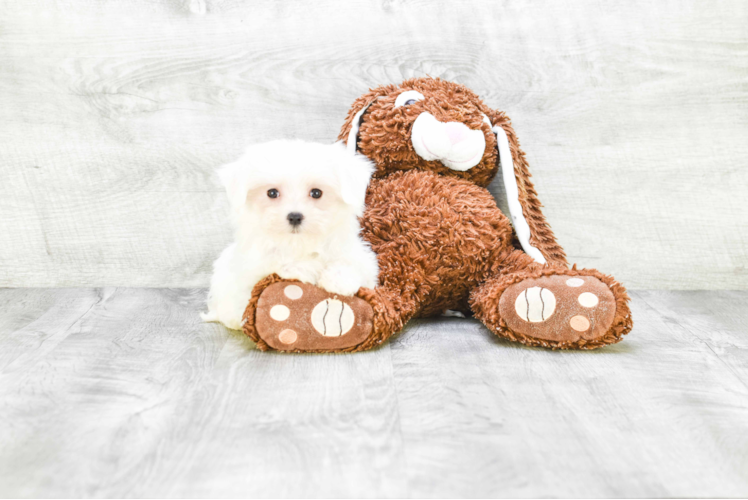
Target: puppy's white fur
[325,249]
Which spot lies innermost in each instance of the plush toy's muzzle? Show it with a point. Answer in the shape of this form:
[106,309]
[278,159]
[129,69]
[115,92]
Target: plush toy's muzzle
[453,143]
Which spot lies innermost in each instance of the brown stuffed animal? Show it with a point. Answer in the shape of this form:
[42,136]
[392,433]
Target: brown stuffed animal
[441,241]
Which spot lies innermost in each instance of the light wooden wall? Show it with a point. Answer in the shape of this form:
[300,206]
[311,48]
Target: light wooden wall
[114,115]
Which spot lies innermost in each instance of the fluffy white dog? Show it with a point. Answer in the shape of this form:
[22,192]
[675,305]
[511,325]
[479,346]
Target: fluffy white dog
[295,207]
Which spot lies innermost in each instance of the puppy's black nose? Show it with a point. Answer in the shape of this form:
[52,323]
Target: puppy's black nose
[295,218]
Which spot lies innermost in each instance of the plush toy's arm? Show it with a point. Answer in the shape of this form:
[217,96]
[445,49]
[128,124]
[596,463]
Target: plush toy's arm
[541,236]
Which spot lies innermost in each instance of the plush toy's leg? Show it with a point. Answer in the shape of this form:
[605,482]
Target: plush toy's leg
[288,315]
[552,306]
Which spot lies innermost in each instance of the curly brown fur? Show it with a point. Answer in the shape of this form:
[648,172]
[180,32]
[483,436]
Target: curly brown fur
[436,238]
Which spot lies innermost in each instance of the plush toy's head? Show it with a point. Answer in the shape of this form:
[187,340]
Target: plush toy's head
[425,124]
[443,127]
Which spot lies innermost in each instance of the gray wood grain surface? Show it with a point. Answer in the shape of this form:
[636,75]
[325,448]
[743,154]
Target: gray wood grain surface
[115,114]
[123,392]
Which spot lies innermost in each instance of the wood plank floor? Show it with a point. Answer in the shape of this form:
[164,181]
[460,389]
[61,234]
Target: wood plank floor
[124,392]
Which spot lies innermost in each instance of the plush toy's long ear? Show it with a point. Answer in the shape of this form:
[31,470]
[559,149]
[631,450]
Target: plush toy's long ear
[532,230]
[352,139]
[349,131]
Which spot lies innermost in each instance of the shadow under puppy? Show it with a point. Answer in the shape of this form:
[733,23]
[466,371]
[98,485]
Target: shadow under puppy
[295,208]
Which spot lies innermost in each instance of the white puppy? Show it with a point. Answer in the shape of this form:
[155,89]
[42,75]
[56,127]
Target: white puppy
[295,207]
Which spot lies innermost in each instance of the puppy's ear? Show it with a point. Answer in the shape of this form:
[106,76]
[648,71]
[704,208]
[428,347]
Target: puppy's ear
[234,179]
[355,173]
[240,176]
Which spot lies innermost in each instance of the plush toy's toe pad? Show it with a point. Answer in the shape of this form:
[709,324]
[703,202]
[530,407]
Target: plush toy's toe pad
[293,316]
[559,308]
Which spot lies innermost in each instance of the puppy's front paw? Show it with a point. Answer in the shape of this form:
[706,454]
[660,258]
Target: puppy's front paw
[305,274]
[342,280]
[234,323]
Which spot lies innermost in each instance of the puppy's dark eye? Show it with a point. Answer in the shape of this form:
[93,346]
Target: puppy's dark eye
[315,193]
[273,193]
[409,102]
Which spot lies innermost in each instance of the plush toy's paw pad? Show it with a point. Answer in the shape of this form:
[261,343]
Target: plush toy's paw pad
[559,308]
[296,316]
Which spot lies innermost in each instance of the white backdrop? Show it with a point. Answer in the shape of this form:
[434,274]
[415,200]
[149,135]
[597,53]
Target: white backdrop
[115,114]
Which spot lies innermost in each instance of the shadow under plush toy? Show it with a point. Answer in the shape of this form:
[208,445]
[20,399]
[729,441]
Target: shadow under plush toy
[441,241]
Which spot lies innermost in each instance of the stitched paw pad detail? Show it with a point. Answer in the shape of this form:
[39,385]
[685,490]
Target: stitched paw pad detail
[559,308]
[294,316]
[535,304]
[332,318]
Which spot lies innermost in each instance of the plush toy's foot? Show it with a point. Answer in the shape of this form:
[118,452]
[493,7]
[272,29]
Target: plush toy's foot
[294,316]
[559,308]
[562,309]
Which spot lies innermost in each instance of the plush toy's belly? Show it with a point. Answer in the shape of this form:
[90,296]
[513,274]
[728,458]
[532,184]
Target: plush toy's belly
[436,237]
